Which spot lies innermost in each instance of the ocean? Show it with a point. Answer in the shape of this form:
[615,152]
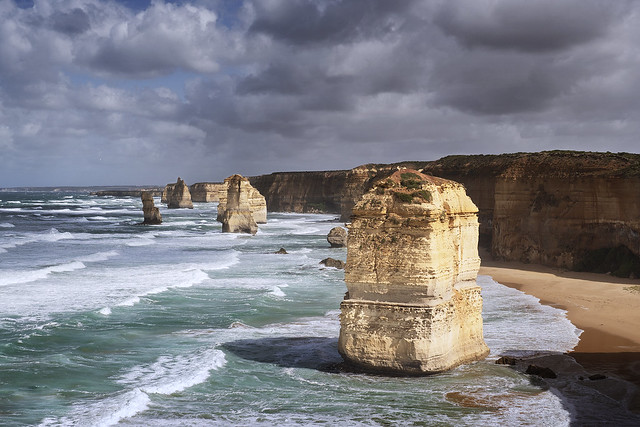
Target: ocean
[107,322]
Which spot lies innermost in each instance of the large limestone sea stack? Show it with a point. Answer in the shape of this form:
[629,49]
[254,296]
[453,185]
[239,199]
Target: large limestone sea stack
[413,305]
[236,213]
[256,201]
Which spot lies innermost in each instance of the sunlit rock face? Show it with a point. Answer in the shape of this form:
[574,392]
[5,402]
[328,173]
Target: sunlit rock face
[207,191]
[257,203]
[151,213]
[178,196]
[413,305]
[236,215]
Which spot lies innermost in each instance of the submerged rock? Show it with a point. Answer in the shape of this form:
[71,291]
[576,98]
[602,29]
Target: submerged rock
[178,196]
[335,263]
[281,251]
[237,216]
[151,213]
[337,237]
[413,305]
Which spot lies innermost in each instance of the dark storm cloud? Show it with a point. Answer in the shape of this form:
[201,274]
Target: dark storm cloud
[531,26]
[307,21]
[258,85]
[70,23]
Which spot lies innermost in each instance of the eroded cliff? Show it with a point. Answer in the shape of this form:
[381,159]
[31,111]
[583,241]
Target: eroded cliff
[207,191]
[413,305]
[556,208]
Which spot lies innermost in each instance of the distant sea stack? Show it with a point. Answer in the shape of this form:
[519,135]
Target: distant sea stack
[151,213]
[256,201]
[237,216]
[413,305]
[208,191]
[178,196]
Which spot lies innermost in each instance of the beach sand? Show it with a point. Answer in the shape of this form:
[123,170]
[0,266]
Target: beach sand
[606,308]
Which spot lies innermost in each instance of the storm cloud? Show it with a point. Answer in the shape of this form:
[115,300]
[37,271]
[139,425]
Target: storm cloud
[95,92]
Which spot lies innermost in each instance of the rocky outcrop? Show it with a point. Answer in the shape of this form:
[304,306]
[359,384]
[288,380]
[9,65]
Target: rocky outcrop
[413,305]
[177,195]
[237,216]
[151,213]
[332,262]
[256,201]
[337,237]
[208,191]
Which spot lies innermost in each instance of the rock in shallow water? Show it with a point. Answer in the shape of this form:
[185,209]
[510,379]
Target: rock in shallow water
[151,213]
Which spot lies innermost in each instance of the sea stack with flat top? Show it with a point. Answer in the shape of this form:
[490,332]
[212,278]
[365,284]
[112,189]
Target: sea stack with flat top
[413,306]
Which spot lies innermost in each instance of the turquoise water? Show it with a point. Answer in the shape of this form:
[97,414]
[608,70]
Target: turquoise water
[104,322]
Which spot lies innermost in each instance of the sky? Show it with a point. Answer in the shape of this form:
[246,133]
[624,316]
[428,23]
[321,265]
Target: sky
[97,92]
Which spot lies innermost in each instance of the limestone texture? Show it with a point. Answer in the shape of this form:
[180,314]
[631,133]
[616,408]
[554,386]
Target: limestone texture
[413,305]
[557,208]
[337,237]
[237,216]
[150,211]
[256,201]
[209,192]
[178,196]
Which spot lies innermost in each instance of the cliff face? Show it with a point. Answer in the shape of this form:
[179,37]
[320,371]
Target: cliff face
[177,195]
[207,191]
[302,191]
[413,305]
[554,208]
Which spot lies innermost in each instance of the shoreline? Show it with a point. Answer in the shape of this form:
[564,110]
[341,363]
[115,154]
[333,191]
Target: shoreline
[602,306]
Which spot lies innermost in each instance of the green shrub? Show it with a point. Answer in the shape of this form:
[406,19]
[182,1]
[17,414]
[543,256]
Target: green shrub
[403,197]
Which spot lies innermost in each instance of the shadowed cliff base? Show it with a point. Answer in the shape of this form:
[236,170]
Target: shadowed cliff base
[587,387]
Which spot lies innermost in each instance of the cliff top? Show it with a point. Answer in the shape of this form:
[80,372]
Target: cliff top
[556,163]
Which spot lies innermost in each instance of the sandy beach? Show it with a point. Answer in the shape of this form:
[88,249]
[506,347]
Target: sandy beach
[606,308]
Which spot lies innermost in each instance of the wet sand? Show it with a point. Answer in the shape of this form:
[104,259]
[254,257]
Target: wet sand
[606,308]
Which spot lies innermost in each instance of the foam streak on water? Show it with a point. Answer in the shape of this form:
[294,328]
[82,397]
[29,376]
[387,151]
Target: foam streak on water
[104,321]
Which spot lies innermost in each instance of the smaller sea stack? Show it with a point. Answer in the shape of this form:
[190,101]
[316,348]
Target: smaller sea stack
[151,213]
[236,215]
[178,196]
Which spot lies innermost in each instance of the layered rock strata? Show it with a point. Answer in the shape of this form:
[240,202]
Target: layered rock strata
[237,216]
[178,196]
[413,305]
[150,211]
[256,201]
[208,191]
[557,208]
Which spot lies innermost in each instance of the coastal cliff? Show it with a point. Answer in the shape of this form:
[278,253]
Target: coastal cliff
[558,208]
[207,191]
[413,305]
